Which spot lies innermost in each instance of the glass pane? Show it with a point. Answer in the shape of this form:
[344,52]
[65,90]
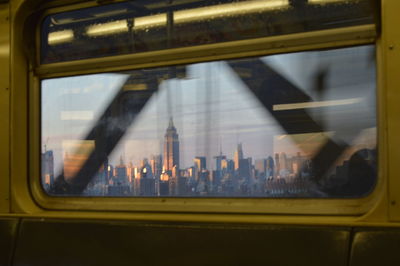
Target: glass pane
[290,125]
[142,25]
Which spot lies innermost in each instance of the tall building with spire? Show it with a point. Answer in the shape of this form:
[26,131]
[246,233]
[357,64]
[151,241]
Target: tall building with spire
[47,168]
[156,165]
[171,147]
[238,156]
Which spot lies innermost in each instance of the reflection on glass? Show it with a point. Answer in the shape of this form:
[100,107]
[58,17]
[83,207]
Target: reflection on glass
[141,26]
[291,125]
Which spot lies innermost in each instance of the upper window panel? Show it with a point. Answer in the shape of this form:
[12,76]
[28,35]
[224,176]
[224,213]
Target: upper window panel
[142,25]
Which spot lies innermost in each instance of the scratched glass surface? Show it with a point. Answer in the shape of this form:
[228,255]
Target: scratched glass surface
[290,125]
[142,25]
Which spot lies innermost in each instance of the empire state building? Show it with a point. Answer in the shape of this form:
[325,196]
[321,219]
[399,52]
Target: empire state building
[171,147]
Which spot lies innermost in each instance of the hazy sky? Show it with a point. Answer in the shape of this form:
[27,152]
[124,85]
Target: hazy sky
[212,109]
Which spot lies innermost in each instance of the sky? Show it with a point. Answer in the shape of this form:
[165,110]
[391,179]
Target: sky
[213,110]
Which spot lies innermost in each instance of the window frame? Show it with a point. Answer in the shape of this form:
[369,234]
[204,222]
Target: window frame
[297,42]
[390,63]
[5,107]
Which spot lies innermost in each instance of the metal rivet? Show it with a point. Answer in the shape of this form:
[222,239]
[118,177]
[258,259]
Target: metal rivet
[391,47]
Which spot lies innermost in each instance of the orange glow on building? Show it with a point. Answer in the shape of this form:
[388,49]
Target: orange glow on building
[75,155]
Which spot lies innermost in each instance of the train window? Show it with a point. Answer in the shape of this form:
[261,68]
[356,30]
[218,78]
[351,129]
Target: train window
[141,25]
[290,125]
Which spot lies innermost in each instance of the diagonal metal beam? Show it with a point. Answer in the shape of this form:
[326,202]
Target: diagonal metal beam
[271,88]
[113,125]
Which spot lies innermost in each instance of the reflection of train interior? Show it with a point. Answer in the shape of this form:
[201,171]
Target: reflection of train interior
[192,132]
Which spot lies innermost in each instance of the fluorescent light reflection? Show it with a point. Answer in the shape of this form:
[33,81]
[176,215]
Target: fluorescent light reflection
[225,10]
[321,2]
[293,106]
[113,27]
[59,37]
[150,21]
[189,15]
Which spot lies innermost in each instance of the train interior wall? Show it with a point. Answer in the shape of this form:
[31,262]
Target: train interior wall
[27,241]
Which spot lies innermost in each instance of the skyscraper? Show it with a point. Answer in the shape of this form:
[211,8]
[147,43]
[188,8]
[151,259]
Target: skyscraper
[218,161]
[283,162]
[156,165]
[48,168]
[261,166]
[200,163]
[244,169]
[277,164]
[227,166]
[217,174]
[145,183]
[171,147]
[238,156]
[120,173]
[270,168]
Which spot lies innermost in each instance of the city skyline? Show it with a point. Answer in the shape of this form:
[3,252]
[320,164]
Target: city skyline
[307,144]
[165,169]
[280,174]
